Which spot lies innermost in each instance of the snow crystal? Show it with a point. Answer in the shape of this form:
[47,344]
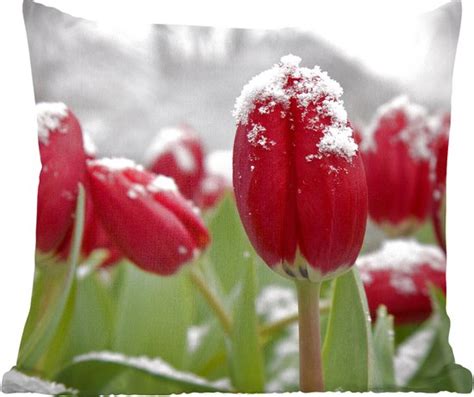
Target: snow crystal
[16,382]
[115,164]
[48,117]
[308,86]
[153,365]
[219,162]
[410,353]
[195,335]
[403,258]
[162,183]
[171,139]
[417,134]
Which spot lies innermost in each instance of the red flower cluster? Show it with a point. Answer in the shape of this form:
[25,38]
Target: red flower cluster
[298,177]
[398,276]
[178,152]
[129,211]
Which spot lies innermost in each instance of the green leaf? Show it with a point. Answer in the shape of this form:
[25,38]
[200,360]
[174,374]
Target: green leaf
[115,373]
[435,369]
[347,350]
[384,347]
[230,245]
[246,357]
[153,315]
[46,341]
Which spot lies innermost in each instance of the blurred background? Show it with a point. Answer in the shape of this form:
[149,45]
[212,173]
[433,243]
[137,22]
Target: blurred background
[125,82]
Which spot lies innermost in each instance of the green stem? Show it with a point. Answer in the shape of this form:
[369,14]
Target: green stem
[311,366]
[211,298]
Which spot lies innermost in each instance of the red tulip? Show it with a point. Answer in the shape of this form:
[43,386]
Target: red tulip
[398,276]
[398,158]
[63,168]
[177,152]
[145,216]
[440,125]
[298,177]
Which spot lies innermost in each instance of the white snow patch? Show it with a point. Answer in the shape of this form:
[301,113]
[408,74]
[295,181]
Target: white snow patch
[172,140]
[49,116]
[402,258]
[89,146]
[162,183]
[417,134]
[275,303]
[16,382]
[195,335]
[410,353]
[308,86]
[116,164]
[155,366]
[219,162]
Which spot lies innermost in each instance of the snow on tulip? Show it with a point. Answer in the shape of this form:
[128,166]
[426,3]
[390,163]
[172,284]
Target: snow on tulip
[298,176]
[145,215]
[300,187]
[63,168]
[398,276]
[397,149]
[177,152]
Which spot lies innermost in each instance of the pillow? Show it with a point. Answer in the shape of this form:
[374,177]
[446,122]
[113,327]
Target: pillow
[239,210]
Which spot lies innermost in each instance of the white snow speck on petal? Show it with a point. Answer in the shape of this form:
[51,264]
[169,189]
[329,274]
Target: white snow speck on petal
[171,139]
[155,366]
[15,381]
[48,117]
[162,183]
[116,164]
[271,88]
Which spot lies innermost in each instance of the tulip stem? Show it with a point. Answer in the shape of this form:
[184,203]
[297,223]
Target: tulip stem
[211,298]
[311,366]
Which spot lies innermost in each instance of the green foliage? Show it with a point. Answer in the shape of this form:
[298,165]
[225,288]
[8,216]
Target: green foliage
[144,318]
[348,350]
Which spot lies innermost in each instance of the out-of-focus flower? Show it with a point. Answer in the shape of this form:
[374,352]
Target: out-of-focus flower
[145,215]
[63,168]
[211,189]
[398,275]
[440,124]
[177,152]
[298,177]
[397,149]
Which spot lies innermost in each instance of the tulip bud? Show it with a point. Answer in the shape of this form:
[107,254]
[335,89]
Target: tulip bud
[398,275]
[440,125]
[298,177]
[398,159]
[145,216]
[177,152]
[63,168]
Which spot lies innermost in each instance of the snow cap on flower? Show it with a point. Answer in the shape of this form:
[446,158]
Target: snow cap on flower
[297,173]
[398,275]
